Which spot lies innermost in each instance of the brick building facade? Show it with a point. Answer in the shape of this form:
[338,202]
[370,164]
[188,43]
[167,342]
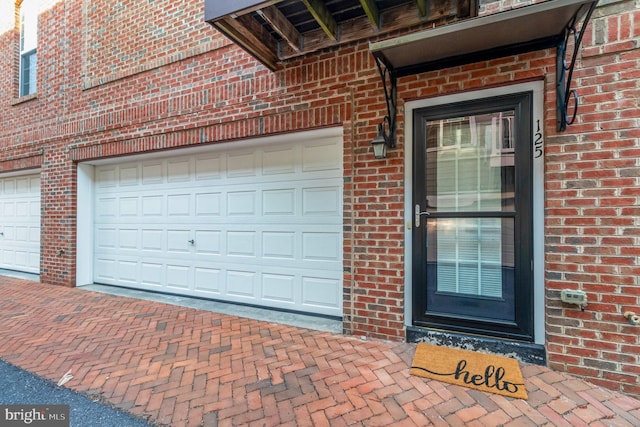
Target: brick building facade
[149,95]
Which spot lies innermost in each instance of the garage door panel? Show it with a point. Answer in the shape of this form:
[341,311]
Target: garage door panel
[178,276]
[9,210]
[105,177]
[128,271]
[207,168]
[23,185]
[107,207]
[279,202]
[152,240]
[208,204]
[104,269]
[241,284]
[128,175]
[241,203]
[321,156]
[279,245]
[208,242]
[321,246]
[321,292]
[321,201]
[314,248]
[21,259]
[34,208]
[8,257]
[179,242]
[22,209]
[106,238]
[128,238]
[8,233]
[153,206]
[152,173]
[152,274]
[127,207]
[317,198]
[34,261]
[178,170]
[279,161]
[179,205]
[266,224]
[208,280]
[279,287]
[22,234]
[241,164]
[241,244]
[8,186]
[20,223]
[34,237]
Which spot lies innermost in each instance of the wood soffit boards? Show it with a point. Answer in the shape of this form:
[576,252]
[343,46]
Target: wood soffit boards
[276,31]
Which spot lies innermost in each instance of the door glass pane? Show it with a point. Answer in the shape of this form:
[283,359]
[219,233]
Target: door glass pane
[470,163]
[471,256]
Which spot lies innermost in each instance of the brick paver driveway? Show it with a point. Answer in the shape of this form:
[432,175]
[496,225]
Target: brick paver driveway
[184,367]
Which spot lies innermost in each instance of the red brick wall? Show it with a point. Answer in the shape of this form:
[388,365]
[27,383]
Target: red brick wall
[592,188]
[123,38]
[84,110]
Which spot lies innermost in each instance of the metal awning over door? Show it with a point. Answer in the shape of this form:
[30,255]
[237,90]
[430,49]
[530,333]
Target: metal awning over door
[554,23]
[525,29]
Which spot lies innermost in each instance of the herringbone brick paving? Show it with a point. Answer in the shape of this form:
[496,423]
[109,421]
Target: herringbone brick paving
[184,367]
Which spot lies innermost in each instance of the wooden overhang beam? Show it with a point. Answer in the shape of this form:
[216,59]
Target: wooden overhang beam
[252,36]
[396,18]
[323,17]
[237,19]
[372,12]
[282,26]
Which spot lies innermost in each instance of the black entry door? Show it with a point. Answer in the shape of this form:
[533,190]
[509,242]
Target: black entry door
[472,233]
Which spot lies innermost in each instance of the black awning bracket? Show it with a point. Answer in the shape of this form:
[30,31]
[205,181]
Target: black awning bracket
[389,83]
[564,71]
[559,24]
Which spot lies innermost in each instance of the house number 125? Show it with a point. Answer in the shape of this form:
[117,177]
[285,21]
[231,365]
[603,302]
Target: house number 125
[537,142]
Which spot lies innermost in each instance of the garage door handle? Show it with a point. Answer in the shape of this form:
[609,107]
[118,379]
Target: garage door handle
[193,242]
[1,233]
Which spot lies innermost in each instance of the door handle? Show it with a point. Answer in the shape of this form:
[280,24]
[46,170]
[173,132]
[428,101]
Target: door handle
[417,214]
[192,242]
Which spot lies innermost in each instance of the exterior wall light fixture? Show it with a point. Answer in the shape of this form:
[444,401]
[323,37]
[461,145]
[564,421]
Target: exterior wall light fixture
[386,137]
[381,142]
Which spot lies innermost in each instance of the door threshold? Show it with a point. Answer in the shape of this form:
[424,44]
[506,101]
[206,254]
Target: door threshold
[523,351]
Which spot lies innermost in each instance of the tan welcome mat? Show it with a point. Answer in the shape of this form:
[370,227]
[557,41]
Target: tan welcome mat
[486,372]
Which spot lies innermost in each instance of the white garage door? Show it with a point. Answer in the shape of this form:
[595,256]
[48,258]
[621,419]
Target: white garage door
[20,223]
[258,225]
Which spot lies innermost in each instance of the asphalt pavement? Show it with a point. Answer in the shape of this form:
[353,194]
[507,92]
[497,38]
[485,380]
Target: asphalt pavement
[19,387]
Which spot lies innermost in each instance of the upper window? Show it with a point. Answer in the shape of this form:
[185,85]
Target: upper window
[28,46]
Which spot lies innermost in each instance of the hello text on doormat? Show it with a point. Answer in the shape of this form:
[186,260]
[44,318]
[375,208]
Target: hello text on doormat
[486,372]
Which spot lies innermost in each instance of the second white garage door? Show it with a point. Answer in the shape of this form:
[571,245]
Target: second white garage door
[259,224]
[20,223]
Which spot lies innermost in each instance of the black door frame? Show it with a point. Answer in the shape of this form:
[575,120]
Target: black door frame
[522,328]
